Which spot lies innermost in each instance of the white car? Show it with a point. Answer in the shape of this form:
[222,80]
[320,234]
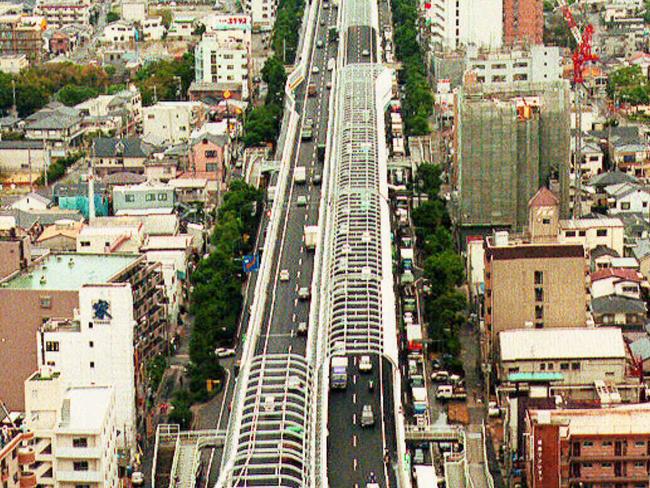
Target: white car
[301,201]
[315,70]
[365,365]
[224,352]
[284,275]
[365,52]
[319,44]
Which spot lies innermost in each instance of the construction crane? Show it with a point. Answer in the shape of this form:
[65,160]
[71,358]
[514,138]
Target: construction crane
[582,55]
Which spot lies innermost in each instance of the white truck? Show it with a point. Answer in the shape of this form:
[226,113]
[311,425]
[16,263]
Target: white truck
[451,392]
[339,372]
[299,174]
[311,236]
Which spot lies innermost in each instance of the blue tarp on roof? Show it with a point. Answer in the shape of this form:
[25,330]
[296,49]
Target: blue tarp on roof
[532,377]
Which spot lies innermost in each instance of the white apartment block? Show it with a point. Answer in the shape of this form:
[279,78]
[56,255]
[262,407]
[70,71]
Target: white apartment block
[97,349]
[119,32]
[537,64]
[153,29]
[75,432]
[225,57]
[262,13]
[609,232]
[171,122]
[62,13]
[456,23]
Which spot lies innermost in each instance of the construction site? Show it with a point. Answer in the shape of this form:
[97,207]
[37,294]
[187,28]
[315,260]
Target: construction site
[508,141]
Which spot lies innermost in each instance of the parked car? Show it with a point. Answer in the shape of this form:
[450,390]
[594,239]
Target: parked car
[303,293]
[302,328]
[224,352]
[284,275]
[440,376]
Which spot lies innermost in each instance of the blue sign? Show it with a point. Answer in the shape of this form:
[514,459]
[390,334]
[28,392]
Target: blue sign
[250,263]
[102,310]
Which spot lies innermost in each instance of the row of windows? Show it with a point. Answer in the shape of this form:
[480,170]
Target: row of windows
[149,197]
[638,464]
[518,64]
[609,443]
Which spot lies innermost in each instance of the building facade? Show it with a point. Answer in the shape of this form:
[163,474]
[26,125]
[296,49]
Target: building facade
[171,122]
[21,34]
[575,356]
[523,22]
[533,285]
[62,13]
[453,24]
[75,432]
[588,447]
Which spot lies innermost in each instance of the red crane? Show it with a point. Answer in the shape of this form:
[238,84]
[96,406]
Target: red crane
[583,53]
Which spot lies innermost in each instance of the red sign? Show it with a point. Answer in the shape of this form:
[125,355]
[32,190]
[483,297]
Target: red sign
[546,456]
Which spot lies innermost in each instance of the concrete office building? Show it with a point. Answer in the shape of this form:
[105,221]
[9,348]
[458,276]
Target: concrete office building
[568,356]
[452,24]
[595,447]
[75,432]
[50,288]
[523,22]
[97,348]
[508,142]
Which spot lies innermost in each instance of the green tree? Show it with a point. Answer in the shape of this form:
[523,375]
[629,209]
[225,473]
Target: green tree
[275,76]
[112,17]
[444,271]
[428,179]
[167,17]
[181,413]
[72,95]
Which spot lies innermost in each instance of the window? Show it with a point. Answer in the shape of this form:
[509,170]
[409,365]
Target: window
[51,363]
[601,232]
[129,198]
[498,78]
[542,367]
[575,366]
[520,64]
[499,66]
[162,196]
[539,277]
[588,443]
[85,243]
[570,233]
[607,443]
[513,370]
[211,167]
[605,465]
[480,79]
[90,325]
[92,364]
[546,221]
[639,443]
[81,486]
[79,442]
[539,312]
[520,77]
[582,233]
[624,206]
[150,197]
[586,465]
[80,465]
[211,154]
[46,302]
[639,464]
[550,366]
[539,294]
[52,346]
[564,366]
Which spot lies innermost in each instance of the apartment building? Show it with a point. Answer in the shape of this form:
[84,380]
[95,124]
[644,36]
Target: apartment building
[103,239]
[75,432]
[148,195]
[21,34]
[591,233]
[171,122]
[63,13]
[262,13]
[224,57]
[533,285]
[98,347]
[568,356]
[16,454]
[596,447]
[50,288]
[452,24]
[523,22]
[135,10]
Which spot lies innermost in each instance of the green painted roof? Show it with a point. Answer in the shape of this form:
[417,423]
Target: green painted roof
[517,377]
[71,271]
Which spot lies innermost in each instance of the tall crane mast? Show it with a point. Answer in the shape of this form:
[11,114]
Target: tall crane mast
[582,55]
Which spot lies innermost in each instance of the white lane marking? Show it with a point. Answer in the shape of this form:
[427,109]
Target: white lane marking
[293,318]
[290,347]
[302,249]
[355,464]
[298,274]
[354,379]
[354,398]
[354,440]
[354,419]
[295,302]
[300,262]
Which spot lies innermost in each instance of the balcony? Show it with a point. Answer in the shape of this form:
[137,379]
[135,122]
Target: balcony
[610,457]
[26,455]
[79,476]
[27,479]
[78,452]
